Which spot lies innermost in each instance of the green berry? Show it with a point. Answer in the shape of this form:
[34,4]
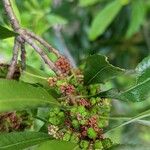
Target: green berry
[56,110]
[93,101]
[107,143]
[74,138]
[75,124]
[52,114]
[82,122]
[73,110]
[98,145]
[81,109]
[84,144]
[54,121]
[91,133]
[66,137]
[61,114]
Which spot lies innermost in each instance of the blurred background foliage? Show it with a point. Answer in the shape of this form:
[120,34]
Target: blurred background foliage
[119,29]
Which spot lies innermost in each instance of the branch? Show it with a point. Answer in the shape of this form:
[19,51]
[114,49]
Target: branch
[23,56]
[28,37]
[11,16]
[41,53]
[43,42]
[13,64]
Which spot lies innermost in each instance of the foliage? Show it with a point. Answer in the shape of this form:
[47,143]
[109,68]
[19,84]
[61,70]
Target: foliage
[74,111]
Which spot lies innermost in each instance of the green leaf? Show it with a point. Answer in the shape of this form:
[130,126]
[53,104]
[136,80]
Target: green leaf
[129,147]
[104,18]
[6,33]
[34,76]
[21,140]
[18,96]
[57,145]
[15,9]
[99,70]
[136,118]
[137,93]
[143,70]
[84,3]
[56,19]
[137,17]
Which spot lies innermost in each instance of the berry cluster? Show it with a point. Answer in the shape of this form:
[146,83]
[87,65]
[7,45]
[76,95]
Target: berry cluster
[14,121]
[81,123]
[63,65]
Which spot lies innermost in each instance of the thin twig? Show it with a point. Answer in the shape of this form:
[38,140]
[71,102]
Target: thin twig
[41,53]
[23,56]
[13,64]
[43,42]
[11,15]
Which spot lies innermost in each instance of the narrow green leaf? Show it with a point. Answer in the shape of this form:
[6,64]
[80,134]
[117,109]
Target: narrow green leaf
[84,3]
[34,76]
[136,118]
[18,96]
[129,147]
[6,33]
[57,145]
[21,140]
[99,70]
[143,70]
[104,18]
[137,16]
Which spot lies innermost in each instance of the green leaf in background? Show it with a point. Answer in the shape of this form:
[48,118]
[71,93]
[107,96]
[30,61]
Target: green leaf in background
[15,9]
[57,145]
[99,70]
[21,140]
[104,18]
[84,3]
[18,96]
[55,19]
[133,119]
[34,76]
[137,17]
[137,93]
[6,33]
[143,70]
[129,147]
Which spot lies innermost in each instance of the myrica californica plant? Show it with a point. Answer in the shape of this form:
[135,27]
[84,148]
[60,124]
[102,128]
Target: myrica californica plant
[78,108]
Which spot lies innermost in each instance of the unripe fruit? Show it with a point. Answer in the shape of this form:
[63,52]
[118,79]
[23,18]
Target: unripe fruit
[67,136]
[91,133]
[84,144]
[107,143]
[98,145]
[75,124]
[93,101]
[74,138]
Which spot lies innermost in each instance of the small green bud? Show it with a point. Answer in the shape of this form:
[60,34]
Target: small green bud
[81,109]
[75,124]
[66,136]
[84,144]
[91,133]
[82,122]
[107,143]
[73,110]
[98,145]
[54,121]
[56,110]
[61,114]
[52,114]
[93,101]
[74,138]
